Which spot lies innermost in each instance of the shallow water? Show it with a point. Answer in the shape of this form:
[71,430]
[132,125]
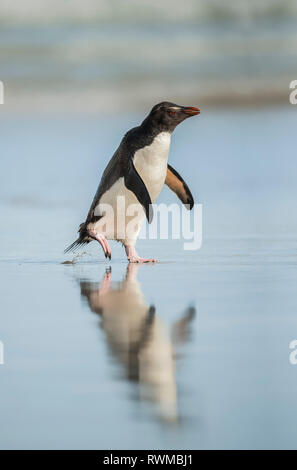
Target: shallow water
[192,352]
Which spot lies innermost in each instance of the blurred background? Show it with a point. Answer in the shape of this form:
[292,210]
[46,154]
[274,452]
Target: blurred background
[111,55]
[77,75]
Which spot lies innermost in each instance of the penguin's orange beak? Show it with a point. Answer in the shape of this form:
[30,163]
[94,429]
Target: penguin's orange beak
[191,110]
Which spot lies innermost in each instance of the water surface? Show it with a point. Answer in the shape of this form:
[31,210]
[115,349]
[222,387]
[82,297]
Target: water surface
[192,352]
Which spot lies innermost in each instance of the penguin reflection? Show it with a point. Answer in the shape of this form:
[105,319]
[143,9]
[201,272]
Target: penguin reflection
[138,337]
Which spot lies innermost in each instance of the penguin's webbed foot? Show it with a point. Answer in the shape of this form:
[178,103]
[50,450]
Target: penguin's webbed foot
[133,256]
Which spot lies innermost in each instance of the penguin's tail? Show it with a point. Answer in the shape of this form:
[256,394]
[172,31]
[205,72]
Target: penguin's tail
[83,239]
[78,243]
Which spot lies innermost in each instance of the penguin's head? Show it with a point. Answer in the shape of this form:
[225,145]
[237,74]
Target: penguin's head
[166,116]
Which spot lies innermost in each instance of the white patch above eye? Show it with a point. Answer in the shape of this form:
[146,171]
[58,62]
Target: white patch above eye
[174,107]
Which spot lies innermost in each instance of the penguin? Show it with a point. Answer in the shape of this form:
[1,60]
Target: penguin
[132,181]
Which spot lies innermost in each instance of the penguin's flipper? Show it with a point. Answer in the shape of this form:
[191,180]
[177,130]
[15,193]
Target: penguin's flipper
[176,183]
[134,183]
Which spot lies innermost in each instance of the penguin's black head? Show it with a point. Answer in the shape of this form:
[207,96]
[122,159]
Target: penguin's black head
[166,116]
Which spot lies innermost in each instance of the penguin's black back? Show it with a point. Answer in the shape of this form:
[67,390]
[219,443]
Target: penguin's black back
[135,139]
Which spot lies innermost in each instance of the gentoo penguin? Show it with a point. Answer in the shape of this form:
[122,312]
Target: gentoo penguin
[139,339]
[132,181]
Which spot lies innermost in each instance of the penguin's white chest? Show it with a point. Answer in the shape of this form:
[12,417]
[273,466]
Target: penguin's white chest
[151,163]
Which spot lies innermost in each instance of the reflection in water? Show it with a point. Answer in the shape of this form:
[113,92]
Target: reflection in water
[139,338]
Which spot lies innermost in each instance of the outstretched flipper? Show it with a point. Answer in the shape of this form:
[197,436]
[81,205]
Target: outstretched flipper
[176,183]
[134,183]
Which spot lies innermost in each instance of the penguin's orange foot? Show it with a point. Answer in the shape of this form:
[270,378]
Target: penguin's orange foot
[102,240]
[133,256]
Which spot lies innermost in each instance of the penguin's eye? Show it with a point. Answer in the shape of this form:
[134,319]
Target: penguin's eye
[172,113]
